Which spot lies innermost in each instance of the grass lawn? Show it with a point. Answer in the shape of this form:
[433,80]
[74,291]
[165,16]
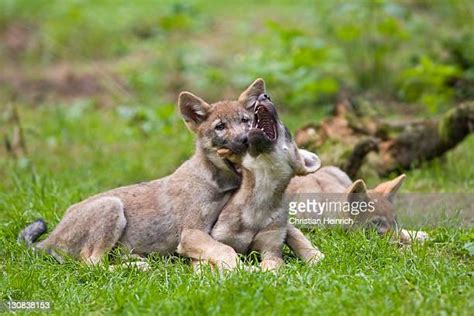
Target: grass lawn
[74,153]
[127,62]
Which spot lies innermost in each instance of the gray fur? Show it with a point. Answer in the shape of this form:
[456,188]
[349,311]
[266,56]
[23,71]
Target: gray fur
[254,218]
[31,232]
[333,180]
[165,215]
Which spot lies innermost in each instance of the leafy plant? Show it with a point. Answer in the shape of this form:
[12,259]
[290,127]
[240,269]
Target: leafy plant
[159,119]
[368,34]
[426,82]
[302,69]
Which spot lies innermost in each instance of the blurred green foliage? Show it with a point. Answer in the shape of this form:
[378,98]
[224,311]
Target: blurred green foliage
[412,51]
[75,29]
[388,47]
[426,83]
[142,53]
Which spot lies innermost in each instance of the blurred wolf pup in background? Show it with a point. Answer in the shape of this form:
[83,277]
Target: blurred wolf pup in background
[332,180]
[156,216]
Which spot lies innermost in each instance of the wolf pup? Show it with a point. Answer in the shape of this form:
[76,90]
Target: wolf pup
[156,216]
[329,180]
[254,218]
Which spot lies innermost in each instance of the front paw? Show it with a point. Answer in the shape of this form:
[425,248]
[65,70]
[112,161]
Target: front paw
[226,259]
[421,236]
[314,257]
[271,265]
[408,236]
[139,265]
[200,266]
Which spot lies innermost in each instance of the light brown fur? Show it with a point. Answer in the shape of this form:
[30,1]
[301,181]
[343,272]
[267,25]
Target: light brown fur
[332,180]
[175,213]
[254,218]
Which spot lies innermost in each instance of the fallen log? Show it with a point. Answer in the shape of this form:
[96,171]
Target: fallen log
[353,140]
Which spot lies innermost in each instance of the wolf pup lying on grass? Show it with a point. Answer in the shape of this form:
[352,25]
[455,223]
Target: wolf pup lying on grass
[331,180]
[156,216]
[254,218]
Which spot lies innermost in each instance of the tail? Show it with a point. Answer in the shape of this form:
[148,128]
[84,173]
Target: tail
[31,232]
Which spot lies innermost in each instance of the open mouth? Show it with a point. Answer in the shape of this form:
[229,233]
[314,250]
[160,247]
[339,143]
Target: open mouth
[233,166]
[232,161]
[265,121]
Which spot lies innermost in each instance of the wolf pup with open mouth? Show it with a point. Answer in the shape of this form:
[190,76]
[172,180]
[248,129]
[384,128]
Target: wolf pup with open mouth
[254,218]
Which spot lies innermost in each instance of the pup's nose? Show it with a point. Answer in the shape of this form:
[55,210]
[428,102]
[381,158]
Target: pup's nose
[263,97]
[244,140]
[239,145]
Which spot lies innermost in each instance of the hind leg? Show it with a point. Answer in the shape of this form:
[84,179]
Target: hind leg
[41,247]
[106,231]
[89,229]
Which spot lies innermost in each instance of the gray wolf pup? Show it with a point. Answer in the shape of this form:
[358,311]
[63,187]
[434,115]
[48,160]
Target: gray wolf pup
[382,217]
[157,216]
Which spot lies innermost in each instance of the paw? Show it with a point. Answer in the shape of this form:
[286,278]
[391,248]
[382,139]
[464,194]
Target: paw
[408,236]
[421,236]
[314,257]
[141,265]
[226,260]
[271,265]
[200,266]
[251,269]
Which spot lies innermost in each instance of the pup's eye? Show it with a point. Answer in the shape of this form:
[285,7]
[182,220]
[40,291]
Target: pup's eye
[220,127]
[245,120]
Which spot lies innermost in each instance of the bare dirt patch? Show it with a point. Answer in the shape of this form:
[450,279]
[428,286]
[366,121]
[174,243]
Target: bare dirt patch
[58,83]
[16,39]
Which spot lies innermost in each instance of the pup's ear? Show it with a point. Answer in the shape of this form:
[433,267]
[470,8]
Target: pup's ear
[357,192]
[193,109]
[250,95]
[307,162]
[390,188]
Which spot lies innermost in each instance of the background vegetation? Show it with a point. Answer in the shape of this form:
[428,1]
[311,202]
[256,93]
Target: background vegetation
[95,84]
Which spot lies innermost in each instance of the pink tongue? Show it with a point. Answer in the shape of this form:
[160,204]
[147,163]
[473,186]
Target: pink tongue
[265,122]
[267,127]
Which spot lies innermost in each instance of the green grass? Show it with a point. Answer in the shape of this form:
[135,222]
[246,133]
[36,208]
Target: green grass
[76,153]
[360,274]
[143,53]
